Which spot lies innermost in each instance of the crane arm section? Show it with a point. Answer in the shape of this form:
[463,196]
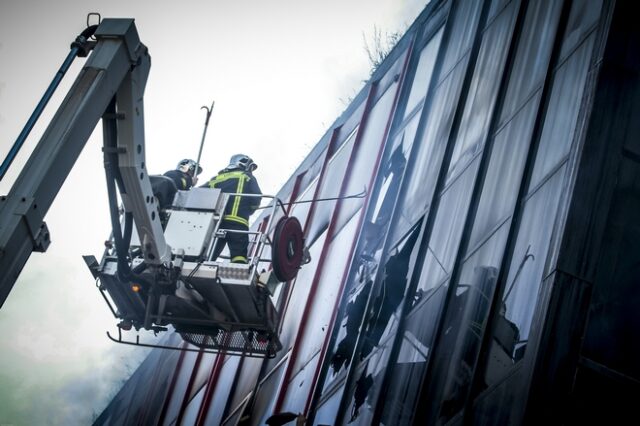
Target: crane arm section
[117,68]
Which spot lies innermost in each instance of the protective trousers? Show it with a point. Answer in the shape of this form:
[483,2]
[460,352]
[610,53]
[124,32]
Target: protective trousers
[237,242]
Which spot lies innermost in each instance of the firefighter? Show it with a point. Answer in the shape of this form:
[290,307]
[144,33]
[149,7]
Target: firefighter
[183,177]
[237,178]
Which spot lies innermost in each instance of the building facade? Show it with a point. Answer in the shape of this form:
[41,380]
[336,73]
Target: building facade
[491,274]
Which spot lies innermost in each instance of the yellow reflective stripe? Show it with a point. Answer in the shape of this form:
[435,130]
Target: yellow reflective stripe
[225,176]
[236,219]
[237,258]
[184,183]
[236,202]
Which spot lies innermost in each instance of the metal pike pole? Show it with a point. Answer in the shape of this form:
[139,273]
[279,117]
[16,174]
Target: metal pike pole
[204,133]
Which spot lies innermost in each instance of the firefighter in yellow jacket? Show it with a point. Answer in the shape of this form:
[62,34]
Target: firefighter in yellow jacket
[237,178]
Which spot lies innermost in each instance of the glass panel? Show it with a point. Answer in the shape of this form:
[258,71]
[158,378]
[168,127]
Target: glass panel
[321,310]
[534,52]
[301,210]
[466,321]
[299,387]
[423,73]
[562,114]
[366,387]
[362,166]
[421,181]
[295,306]
[389,180]
[505,171]
[496,7]
[447,229]
[191,412]
[527,268]
[313,171]
[331,185]
[221,392]
[246,381]
[409,369]
[181,385]
[204,370]
[584,14]
[465,23]
[326,413]
[349,325]
[483,91]
[386,304]
[265,397]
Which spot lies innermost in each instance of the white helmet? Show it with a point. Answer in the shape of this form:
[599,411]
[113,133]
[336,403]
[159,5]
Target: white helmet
[243,162]
[188,166]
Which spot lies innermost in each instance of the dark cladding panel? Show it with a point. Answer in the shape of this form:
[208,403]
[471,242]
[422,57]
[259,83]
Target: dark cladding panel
[504,174]
[483,91]
[562,114]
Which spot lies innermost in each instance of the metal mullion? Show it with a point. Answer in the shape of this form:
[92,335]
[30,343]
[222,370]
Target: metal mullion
[192,379]
[320,372]
[517,215]
[211,385]
[330,147]
[172,385]
[326,244]
[485,156]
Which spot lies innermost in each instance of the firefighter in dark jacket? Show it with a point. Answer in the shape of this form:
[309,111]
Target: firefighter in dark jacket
[237,178]
[183,177]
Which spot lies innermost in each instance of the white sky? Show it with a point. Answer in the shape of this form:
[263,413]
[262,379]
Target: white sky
[279,72]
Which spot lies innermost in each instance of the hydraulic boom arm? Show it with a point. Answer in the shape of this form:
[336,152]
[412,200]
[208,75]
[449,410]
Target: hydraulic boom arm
[110,86]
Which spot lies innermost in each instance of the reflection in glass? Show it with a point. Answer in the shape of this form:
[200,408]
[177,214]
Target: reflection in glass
[407,373]
[466,321]
[527,268]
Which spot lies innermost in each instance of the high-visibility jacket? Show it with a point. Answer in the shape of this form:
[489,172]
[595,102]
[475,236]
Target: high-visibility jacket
[240,182]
